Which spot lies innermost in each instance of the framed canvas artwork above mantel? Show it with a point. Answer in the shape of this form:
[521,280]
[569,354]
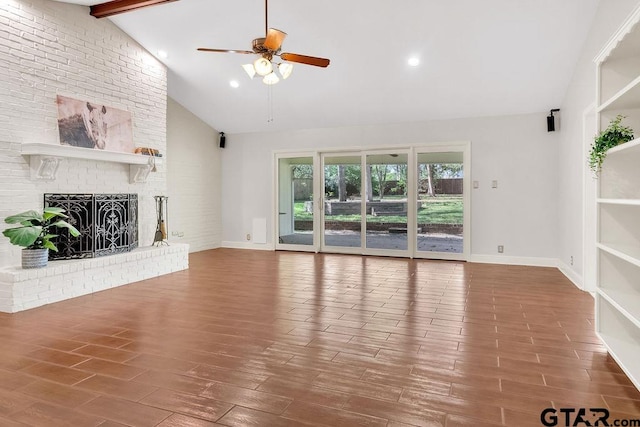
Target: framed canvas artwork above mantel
[91,125]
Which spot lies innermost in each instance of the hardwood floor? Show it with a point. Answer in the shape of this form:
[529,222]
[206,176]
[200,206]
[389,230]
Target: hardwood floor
[248,338]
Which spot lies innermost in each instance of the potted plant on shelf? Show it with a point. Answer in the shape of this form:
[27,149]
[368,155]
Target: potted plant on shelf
[35,234]
[614,135]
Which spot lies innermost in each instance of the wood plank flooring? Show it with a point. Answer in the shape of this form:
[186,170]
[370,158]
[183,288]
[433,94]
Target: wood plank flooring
[251,338]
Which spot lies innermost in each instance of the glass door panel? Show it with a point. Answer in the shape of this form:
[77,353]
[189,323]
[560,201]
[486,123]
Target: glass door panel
[440,202]
[342,201]
[295,201]
[386,208]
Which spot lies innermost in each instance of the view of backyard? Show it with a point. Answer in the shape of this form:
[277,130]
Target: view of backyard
[375,189]
[441,209]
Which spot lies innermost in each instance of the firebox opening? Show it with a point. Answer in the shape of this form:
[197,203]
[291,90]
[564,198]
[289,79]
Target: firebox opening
[108,224]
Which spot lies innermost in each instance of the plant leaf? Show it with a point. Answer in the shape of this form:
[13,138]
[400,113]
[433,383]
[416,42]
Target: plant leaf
[28,216]
[614,135]
[48,244]
[23,236]
[52,212]
[64,224]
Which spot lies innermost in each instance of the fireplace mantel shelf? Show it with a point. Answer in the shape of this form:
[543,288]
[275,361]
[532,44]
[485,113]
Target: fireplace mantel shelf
[45,160]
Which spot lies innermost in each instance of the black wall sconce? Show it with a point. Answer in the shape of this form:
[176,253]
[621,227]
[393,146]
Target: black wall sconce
[223,140]
[551,121]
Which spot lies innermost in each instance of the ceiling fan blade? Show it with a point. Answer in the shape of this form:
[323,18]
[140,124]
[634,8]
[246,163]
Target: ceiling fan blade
[303,59]
[206,49]
[274,39]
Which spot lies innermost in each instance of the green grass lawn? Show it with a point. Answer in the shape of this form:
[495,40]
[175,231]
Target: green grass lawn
[440,210]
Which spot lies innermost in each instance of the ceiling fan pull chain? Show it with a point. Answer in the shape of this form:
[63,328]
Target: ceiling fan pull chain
[270,103]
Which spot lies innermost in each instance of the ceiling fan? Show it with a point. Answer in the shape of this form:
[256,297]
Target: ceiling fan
[267,47]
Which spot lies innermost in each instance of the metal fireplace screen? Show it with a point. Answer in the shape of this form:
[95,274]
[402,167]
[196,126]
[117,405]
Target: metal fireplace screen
[108,224]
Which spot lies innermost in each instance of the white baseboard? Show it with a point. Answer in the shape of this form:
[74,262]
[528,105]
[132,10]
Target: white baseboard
[570,274]
[201,248]
[484,259]
[535,262]
[513,260]
[247,245]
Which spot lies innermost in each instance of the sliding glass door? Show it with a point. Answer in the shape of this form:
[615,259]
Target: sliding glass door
[411,202]
[295,203]
[442,204]
[387,203]
[365,202]
[342,204]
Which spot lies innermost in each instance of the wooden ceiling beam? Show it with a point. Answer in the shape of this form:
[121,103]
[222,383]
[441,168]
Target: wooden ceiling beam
[114,7]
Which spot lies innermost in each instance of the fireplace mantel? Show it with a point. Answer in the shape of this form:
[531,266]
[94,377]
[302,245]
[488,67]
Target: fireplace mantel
[44,160]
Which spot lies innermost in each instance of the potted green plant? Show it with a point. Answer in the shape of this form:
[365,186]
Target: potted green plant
[615,134]
[35,234]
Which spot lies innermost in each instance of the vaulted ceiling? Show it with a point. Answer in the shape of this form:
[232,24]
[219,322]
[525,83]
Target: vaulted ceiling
[477,58]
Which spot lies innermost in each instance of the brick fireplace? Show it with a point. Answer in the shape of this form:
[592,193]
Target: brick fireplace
[106,67]
[61,280]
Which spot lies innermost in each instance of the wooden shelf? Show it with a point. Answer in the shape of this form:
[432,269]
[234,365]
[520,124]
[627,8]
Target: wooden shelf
[70,152]
[623,302]
[45,160]
[621,352]
[616,184]
[618,278]
[628,253]
[622,202]
[627,98]
[626,148]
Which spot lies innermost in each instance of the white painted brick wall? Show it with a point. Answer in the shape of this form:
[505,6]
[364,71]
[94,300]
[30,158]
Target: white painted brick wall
[24,289]
[194,181]
[49,48]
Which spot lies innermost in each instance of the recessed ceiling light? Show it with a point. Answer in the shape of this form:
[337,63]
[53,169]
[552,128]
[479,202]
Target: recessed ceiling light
[414,61]
[162,54]
[234,84]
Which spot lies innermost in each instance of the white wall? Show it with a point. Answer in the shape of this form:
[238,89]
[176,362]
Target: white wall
[193,180]
[573,172]
[49,48]
[515,150]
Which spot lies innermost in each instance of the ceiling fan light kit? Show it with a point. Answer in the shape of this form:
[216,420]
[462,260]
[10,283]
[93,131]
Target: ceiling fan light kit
[263,66]
[250,69]
[270,79]
[268,47]
[285,70]
[259,67]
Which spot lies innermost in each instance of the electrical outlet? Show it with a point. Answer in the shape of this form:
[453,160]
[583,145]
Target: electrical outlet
[500,249]
[248,236]
[571,261]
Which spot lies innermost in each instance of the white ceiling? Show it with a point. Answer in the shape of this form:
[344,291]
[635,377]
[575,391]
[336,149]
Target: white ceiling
[478,58]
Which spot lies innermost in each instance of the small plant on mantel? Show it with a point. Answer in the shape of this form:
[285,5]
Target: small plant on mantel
[35,234]
[614,135]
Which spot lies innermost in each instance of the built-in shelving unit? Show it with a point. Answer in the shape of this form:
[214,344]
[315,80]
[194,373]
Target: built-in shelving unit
[45,159]
[618,281]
